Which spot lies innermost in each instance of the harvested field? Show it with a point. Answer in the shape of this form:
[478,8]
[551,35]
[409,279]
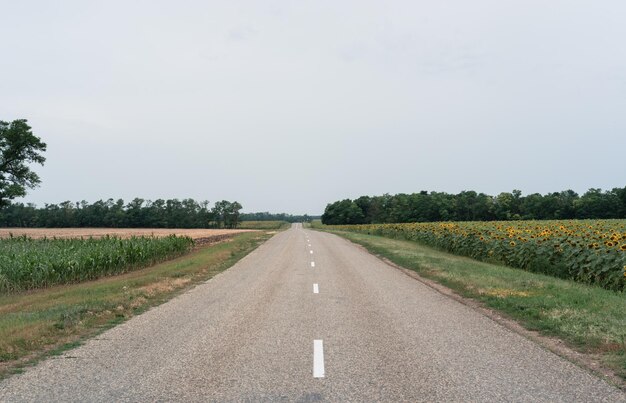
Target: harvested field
[37,233]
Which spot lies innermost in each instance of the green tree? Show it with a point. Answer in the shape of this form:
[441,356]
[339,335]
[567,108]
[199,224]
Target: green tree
[365,203]
[343,212]
[218,212]
[227,213]
[231,215]
[135,212]
[18,147]
[597,204]
[621,195]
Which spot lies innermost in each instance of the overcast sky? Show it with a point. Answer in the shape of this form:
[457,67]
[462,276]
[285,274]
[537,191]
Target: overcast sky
[286,106]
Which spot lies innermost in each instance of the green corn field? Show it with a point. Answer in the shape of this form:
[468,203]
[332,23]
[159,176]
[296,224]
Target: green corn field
[27,263]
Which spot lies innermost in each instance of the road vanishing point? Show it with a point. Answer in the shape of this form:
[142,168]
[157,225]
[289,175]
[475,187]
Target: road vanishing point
[309,317]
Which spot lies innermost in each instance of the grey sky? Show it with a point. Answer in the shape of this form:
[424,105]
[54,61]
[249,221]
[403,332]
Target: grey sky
[285,106]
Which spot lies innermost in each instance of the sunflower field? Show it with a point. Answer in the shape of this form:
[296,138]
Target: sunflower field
[590,251]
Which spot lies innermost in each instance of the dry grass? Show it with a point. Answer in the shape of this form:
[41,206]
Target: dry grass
[119,232]
[165,285]
[504,293]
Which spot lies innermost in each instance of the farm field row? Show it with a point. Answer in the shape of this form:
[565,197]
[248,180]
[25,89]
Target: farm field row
[590,251]
[27,263]
[117,232]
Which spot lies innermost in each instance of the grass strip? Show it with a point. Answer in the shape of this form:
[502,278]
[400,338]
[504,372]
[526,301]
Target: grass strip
[264,225]
[590,319]
[38,323]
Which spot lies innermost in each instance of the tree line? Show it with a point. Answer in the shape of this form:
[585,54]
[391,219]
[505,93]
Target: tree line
[139,213]
[472,206]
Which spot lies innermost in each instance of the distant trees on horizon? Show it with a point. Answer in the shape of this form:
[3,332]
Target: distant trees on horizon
[472,206]
[138,213]
[267,216]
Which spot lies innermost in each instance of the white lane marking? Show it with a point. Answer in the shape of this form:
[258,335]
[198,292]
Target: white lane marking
[311,252]
[316,288]
[312,264]
[318,358]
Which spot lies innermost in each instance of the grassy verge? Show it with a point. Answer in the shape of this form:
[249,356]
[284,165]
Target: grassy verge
[589,319]
[37,323]
[263,225]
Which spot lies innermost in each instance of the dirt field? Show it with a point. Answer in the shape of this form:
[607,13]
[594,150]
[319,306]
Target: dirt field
[120,232]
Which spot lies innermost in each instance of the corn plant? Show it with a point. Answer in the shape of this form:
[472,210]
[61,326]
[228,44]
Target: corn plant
[35,263]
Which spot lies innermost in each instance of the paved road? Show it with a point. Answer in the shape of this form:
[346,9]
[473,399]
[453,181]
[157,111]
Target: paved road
[259,332]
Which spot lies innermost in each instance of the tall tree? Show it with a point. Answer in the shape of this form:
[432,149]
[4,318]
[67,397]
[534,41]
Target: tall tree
[18,147]
[231,215]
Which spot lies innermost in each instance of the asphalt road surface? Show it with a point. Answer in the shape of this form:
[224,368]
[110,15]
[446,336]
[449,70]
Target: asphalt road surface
[309,317]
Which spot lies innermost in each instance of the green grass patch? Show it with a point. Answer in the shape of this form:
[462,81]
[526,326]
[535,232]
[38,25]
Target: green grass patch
[37,323]
[264,225]
[589,318]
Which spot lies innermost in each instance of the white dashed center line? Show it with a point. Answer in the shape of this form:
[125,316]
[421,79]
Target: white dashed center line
[318,358]
[311,252]
[312,264]
[316,288]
